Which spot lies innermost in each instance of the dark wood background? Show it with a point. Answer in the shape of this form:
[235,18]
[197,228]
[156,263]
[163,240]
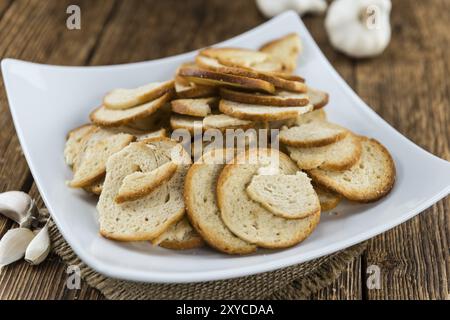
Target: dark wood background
[408,86]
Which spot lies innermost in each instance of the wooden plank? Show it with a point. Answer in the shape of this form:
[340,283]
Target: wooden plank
[36,31]
[408,86]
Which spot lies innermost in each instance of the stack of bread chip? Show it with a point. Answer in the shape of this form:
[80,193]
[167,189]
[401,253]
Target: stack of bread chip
[235,201]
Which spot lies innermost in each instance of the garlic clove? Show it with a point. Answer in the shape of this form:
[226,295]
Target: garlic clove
[39,247]
[270,8]
[14,244]
[18,206]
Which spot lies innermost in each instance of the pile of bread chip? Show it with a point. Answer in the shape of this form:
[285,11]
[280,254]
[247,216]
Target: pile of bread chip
[150,190]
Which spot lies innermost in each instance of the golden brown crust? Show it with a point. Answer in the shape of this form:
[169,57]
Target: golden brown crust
[127,119]
[207,77]
[210,237]
[279,80]
[363,196]
[322,102]
[226,108]
[263,99]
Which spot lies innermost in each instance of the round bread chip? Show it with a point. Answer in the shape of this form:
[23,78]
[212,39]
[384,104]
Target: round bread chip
[212,78]
[194,107]
[313,134]
[317,98]
[248,219]
[328,199]
[316,115]
[369,179]
[186,123]
[236,57]
[148,217]
[201,204]
[279,99]
[180,236]
[279,80]
[223,122]
[74,142]
[187,90]
[261,113]
[336,156]
[285,49]
[103,116]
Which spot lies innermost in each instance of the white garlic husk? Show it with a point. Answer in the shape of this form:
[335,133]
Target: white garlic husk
[18,206]
[272,8]
[14,244]
[39,247]
[359,28]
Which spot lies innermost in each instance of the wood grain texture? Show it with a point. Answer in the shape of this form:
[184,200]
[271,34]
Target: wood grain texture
[406,85]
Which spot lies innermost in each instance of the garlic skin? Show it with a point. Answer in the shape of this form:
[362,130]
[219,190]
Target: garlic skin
[14,244]
[39,248]
[359,28]
[272,8]
[18,206]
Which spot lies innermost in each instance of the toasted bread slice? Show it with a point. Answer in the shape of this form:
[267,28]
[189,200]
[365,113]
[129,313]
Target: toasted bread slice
[370,179]
[201,204]
[279,80]
[316,115]
[97,148]
[261,113]
[279,99]
[317,98]
[248,219]
[128,98]
[194,107]
[285,49]
[155,121]
[103,116]
[150,136]
[180,236]
[95,188]
[187,123]
[236,57]
[187,90]
[139,184]
[212,78]
[328,199]
[288,196]
[148,217]
[313,134]
[223,122]
[336,156]
[74,143]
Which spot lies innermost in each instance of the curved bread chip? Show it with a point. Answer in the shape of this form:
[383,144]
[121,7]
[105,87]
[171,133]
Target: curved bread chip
[187,90]
[201,205]
[285,50]
[74,143]
[280,99]
[180,236]
[287,196]
[328,200]
[103,116]
[337,156]
[194,107]
[139,184]
[148,217]
[279,80]
[261,113]
[317,98]
[370,179]
[127,98]
[248,219]
[155,121]
[186,123]
[223,121]
[98,147]
[314,134]
[236,57]
[316,115]
[212,78]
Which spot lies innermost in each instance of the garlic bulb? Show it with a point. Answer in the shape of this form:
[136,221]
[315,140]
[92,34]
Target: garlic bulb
[39,247]
[271,8]
[14,244]
[359,28]
[18,206]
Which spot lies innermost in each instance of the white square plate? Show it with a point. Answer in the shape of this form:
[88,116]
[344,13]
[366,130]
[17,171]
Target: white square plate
[47,101]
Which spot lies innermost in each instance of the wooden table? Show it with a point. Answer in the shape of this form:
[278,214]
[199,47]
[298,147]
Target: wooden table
[408,86]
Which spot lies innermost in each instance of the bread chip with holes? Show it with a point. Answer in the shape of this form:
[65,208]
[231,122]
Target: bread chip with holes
[248,219]
[369,179]
[261,113]
[128,98]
